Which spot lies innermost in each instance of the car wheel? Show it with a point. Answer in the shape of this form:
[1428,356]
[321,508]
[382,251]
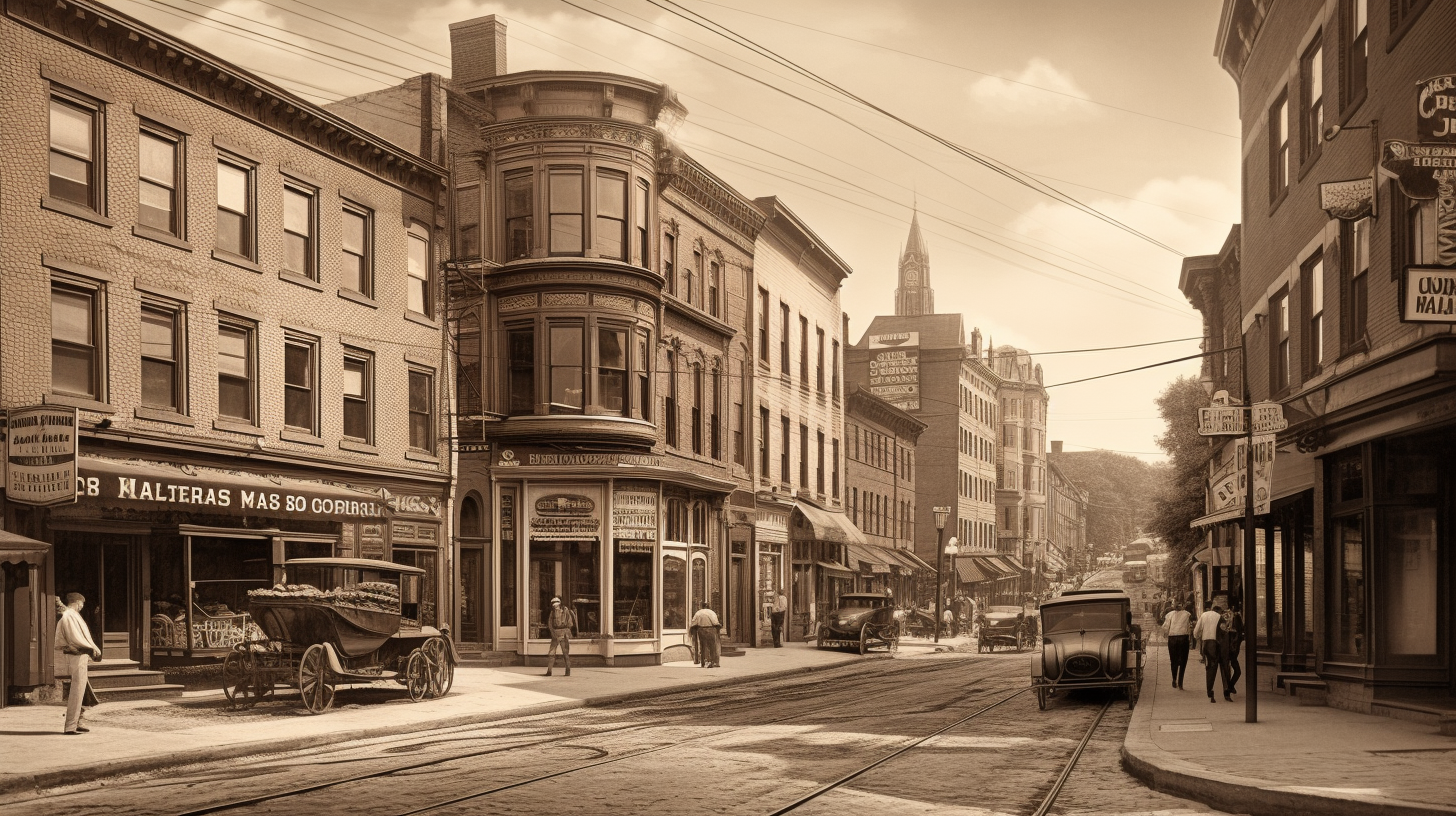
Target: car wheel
[864,639]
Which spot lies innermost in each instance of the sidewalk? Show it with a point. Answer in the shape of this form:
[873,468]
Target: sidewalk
[145,735]
[1296,759]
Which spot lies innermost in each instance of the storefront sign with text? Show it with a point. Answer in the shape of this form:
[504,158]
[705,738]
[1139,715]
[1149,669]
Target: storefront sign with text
[40,455]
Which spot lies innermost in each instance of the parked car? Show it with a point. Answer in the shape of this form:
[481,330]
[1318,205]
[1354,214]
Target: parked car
[1087,642]
[1001,626]
[862,620]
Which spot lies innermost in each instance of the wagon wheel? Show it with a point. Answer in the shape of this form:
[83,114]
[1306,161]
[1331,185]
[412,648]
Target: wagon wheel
[1041,697]
[417,675]
[239,677]
[864,639]
[314,683]
[443,675]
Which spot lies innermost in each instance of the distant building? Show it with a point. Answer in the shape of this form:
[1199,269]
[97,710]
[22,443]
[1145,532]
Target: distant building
[1022,478]
[880,443]
[1067,550]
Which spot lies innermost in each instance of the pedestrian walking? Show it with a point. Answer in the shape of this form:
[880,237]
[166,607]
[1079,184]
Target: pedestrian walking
[705,627]
[1213,651]
[1231,635]
[561,622]
[947,623]
[1177,623]
[780,609]
[73,638]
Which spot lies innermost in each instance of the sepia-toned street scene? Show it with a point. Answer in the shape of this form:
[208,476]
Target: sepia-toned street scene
[728,407]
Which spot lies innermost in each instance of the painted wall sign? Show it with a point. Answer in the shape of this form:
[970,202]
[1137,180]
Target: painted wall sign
[634,515]
[1428,295]
[895,369]
[40,455]
[1436,109]
[517,457]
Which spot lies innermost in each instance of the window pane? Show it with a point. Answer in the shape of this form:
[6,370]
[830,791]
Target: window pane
[158,333]
[612,348]
[353,232]
[234,373]
[232,351]
[72,370]
[297,212]
[295,253]
[1348,631]
[70,179]
[566,345]
[354,378]
[632,604]
[71,316]
[356,419]
[71,129]
[520,204]
[608,240]
[234,398]
[157,159]
[421,436]
[232,188]
[522,351]
[298,365]
[154,206]
[351,272]
[298,409]
[566,193]
[674,592]
[1410,578]
[566,366]
[612,370]
[566,212]
[612,195]
[158,378]
[419,275]
[566,233]
[232,232]
[298,400]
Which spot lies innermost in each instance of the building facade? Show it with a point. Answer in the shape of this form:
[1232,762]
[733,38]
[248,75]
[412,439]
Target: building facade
[1022,476]
[879,454]
[1338,306]
[1066,523]
[230,296]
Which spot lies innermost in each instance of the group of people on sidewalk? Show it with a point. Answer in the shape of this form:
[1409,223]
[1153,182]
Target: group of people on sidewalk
[1218,632]
[705,629]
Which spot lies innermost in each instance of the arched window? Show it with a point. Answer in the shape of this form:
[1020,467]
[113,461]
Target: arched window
[470,526]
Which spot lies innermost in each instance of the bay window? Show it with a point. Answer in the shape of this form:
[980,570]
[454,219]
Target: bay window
[640,220]
[612,370]
[589,366]
[521,377]
[565,387]
[566,207]
[610,232]
[520,206]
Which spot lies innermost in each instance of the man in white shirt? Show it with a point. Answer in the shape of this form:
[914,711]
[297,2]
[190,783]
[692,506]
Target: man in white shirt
[705,627]
[1177,624]
[780,608]
[1215,655]
[73,639]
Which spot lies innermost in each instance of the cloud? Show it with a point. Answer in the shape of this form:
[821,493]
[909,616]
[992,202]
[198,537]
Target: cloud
[1027,90]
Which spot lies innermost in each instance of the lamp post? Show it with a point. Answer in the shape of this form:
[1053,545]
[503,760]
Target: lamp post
[952,549]
[941,513]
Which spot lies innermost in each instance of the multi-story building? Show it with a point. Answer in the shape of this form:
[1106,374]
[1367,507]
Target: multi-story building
[1021,485]
[879,463]
[229,294]
[1066,535]
[921,363]
[1336,289]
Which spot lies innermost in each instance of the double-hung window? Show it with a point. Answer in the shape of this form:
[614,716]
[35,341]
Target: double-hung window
[356,262]
[1279,343]
[358,395]
[566,375]
[804,352]
[1279,147]
[521,374]
[763,442]
[1311,74]
[642,365]
[609,233]
[784,339]
[1354,19]
[669,400]
[834,371]
[300,220]
[419,293]
[78,361]
[75,166]
[697,410]
[520,208]
[763,325]
[1355,280]
[159,182]
[235,227]
[566,207]
[421,410]
[819,366]
[611,353]
[1312,283]
[819,465]
[784,444]
[694,273]
[803,456]
[300,383]
[669,261]
[237,372]
[163,373]
[714,287]
[640,212]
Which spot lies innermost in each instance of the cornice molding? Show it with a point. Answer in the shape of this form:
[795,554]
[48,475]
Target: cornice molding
[679,172]
[639,137]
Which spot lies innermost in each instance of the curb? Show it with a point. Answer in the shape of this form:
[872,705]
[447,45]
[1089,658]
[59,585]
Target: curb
[1166,772]
[35,783]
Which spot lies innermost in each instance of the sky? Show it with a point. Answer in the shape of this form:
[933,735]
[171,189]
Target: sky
[1119,105]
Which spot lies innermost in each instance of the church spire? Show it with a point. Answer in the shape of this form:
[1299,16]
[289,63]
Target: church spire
[914,295]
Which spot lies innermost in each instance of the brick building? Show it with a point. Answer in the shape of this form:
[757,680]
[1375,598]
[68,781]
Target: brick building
[1021,485]
[235,292]
[879,463]
[1334,289]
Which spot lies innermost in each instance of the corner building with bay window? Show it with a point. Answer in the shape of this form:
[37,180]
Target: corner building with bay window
[234,292]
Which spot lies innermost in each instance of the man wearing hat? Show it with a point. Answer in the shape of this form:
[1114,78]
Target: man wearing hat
[1213,649]
[74,641]
[561,622]
[704,628]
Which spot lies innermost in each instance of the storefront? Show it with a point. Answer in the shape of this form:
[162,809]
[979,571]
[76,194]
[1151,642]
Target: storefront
[167,553]
[820,573]
[27,614]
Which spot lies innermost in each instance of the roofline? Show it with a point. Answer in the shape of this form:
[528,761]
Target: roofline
[772,207]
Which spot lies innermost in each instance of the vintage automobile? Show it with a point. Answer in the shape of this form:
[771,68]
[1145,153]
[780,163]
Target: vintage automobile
[863,620]
[1002,626]
[1087,642]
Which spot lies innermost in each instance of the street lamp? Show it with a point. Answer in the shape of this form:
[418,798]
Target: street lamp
[941,513]
[953,549]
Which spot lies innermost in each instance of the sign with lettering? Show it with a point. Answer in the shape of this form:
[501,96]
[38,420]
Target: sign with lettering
[1348,200]
[40,455]
[1269,417]
[1263,472]
[563,516]
[1428,295]
[519,457]
[1436,109]
[895,369]
[565,504]
[634,515]
[1221,420]
[1427,171]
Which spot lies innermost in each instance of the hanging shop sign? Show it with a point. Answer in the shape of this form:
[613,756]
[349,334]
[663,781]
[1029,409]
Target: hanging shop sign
[895,369]
[1428,295]
[1436,109]
[1348,200]
[564,516]
[634,515]
[40,455]
[1427,171]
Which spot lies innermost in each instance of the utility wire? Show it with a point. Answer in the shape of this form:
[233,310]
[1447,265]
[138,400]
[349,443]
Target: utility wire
[995,165]
[1143,368]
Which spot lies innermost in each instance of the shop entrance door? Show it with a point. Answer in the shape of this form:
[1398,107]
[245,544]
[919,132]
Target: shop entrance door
[740,611]
[104,569]
[472,594]
[116,570]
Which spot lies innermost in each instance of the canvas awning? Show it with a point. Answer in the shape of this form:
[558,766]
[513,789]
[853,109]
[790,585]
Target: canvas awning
[814,523]
[1215,556]
[1226,514]
[833,567]
[878,558]
[17,549]
[968,572]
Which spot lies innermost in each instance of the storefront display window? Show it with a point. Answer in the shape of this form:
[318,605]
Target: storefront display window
[570,570]
[508,557]
[1348,591]
[425,560]
[674,591]
[1409,574]
[1276,585]
[699,582]
[632,590]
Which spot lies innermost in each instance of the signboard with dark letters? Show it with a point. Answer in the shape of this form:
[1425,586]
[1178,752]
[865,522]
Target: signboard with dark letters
[895,369]
[40,455]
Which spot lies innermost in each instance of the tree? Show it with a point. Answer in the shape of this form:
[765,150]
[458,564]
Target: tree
[1180,499]
[1120,492]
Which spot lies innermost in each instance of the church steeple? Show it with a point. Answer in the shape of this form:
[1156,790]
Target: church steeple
[914,295]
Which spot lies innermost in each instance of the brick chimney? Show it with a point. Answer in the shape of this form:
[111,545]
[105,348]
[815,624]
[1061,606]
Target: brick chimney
[477,52]
[1056,446]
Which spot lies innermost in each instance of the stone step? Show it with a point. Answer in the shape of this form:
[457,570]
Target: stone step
[112,680]
[149,692]
[110,665]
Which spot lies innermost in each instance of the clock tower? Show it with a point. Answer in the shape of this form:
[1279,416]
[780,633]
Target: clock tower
[914,295]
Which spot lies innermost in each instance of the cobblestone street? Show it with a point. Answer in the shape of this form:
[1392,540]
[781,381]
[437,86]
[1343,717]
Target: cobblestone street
[749,749]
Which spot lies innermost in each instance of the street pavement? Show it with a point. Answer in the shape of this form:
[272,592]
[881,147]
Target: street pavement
[1296,759]
[146,735]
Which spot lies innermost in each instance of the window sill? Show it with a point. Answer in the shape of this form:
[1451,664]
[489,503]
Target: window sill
[421,456]
[1278,199]
[163,415]
[76,211]
[358,297]
[1405,25]
[236,260]
[237,427]
[161,237]
[300,280]
[1312,159]
[301,437]
[1355,103]
[357,446]
[416,317]
[83,403]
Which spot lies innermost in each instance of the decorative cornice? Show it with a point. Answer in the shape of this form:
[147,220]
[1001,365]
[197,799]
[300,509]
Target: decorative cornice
[641,138]
[128,42]
[677,171]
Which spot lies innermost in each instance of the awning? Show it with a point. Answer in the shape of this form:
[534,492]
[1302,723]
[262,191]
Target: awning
[17,549]
[1227,514]
[157,486]
[823,525]
[833,567]
[912,560]
[967,572]
[1009,563]
[1215,556]
[877,558]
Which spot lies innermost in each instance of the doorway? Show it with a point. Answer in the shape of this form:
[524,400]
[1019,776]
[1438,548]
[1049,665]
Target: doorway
[105,570]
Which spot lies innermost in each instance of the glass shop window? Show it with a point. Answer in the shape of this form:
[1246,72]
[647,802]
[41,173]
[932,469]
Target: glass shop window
[632,590]
[675,610]
[571,571]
